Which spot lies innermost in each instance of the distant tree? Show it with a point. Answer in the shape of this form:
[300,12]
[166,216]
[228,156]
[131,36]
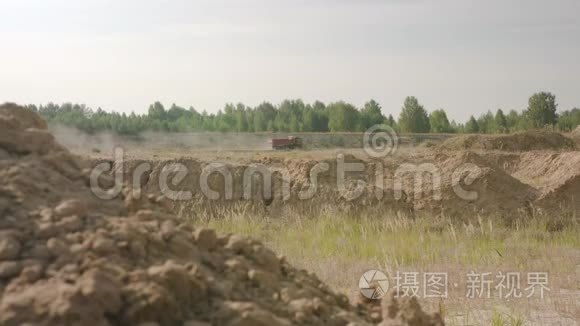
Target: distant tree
[342,117]
[512,120]
[541,110]
[194,119]
[413,117]
[309,119]
[501,124]
[371,115]
[569,120]
[486,123]
[241,119]
[260,123]
[280,124]
[439,122]
[264,116]
[295,124]
[391,121]
[289,115]
[176,112]
[455,127]
[321,117]
[471,127]
[157,111]
[208,121]
[295,116]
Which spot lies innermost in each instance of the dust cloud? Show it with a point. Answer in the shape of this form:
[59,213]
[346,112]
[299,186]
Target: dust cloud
[104,142]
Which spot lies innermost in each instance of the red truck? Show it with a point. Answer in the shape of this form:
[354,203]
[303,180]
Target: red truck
[289,142]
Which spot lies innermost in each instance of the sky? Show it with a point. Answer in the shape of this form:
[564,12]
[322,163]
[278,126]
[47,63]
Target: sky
[461,55]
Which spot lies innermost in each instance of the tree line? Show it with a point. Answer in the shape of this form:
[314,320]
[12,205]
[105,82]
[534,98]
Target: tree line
[297,116]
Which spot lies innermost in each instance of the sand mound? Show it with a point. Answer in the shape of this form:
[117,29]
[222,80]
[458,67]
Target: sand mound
[469,184]
[565,196]
[506,183]
[575,135]
[68,258]
[547,170]
[13,121]
[521,141]
[293,189]
[555,175]
[23,118]
[552,176]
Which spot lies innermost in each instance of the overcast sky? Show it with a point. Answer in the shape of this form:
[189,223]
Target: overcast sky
[465,56]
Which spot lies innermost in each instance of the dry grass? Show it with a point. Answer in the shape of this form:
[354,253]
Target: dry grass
[340,248]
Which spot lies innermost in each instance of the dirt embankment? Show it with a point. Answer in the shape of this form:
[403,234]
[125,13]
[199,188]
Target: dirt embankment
[472,185]
[502,183]
[267,186]
[453,183]
[67,258]
[575,135]
[556,176]
[534,171]
[516,142]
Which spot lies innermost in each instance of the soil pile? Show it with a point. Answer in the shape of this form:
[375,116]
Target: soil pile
[575,135]
[517,142]
[504,183]
[67,258]
[555,175]
[566,196]
[465,183]
[547,170]
[285,187]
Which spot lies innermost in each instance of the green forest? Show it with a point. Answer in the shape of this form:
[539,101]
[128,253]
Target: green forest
[297,116]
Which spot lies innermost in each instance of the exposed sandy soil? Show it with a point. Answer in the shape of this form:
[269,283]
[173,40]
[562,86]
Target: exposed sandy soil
[516,142]
[506,182]
[575,135]
[68,258]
